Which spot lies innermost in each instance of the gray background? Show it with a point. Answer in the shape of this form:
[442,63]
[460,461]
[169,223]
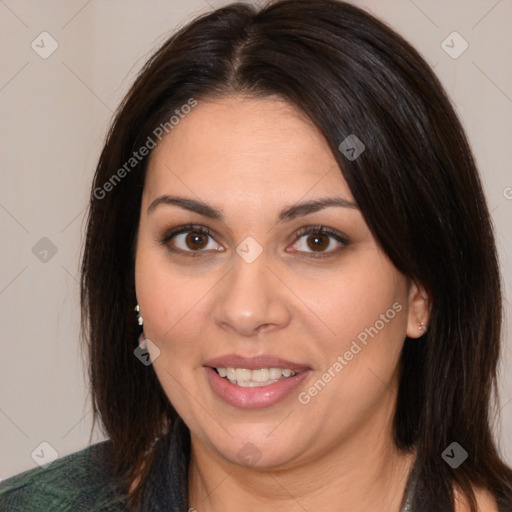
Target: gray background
[54,117]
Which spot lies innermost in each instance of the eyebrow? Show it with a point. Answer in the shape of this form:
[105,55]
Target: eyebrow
[287,214]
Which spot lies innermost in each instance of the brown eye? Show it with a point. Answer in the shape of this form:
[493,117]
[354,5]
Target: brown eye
[318,242]
[195,240]
[190,240]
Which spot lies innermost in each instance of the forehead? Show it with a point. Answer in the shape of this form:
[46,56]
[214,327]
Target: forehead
[244,149]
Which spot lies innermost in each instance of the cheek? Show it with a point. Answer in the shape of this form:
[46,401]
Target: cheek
[365,309]
[173,316]
[357,298]
[363,306]
[172,304]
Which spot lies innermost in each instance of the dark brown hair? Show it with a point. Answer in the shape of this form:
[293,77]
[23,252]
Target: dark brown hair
[416,184]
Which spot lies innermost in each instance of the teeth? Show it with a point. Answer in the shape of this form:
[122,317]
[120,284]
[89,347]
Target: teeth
[275,373]
[260,375]
[251,378]
[242,374]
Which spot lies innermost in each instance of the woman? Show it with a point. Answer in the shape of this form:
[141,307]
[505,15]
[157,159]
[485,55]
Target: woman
[288,201]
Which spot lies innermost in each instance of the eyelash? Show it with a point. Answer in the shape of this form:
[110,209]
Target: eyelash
[312,230]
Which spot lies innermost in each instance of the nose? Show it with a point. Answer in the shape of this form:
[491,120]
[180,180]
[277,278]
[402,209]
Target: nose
[251,299]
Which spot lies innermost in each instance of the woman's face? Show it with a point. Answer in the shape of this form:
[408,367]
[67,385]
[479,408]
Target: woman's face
[265,291]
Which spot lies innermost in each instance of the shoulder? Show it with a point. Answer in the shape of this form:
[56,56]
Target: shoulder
[484,499]
[80,482]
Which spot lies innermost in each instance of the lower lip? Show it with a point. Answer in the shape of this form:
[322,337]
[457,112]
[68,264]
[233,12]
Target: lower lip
[252,398]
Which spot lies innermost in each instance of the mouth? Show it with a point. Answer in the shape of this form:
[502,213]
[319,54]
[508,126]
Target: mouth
[254,382]
[247,378]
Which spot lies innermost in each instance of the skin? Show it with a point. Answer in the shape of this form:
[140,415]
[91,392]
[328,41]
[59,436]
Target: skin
[251,158]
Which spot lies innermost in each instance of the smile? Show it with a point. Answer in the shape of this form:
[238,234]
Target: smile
[247,378]
[251,394]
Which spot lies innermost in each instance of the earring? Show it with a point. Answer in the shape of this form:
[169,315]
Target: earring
[140,320]
[421,327]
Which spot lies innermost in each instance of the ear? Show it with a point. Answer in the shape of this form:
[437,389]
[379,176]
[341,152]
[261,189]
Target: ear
[418,311]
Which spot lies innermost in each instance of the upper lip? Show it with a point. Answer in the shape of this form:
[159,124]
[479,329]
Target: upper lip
[254,362]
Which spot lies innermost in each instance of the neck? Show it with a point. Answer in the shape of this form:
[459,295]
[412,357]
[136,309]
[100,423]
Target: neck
[364,473]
